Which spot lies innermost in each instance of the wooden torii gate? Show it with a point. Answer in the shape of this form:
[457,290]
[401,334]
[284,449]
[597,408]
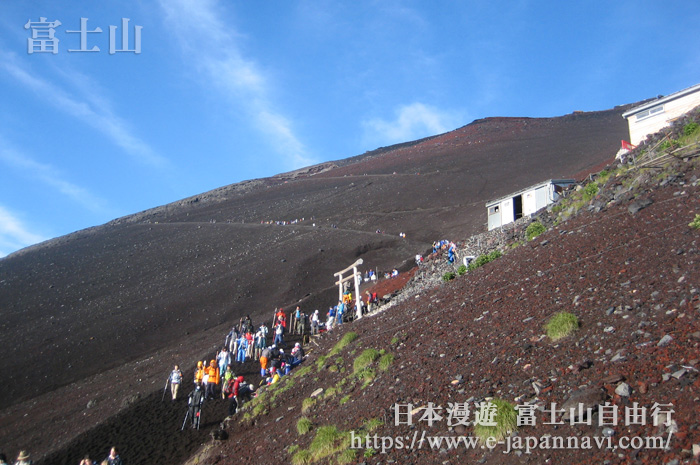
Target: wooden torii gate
[353,276]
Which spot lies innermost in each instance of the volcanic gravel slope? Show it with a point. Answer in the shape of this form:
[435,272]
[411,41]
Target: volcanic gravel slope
[631,277]
[100,315]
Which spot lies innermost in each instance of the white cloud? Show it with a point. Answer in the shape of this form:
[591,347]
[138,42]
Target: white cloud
[89,108]
[213,47]
[50,176]
[14,235]
[412,122]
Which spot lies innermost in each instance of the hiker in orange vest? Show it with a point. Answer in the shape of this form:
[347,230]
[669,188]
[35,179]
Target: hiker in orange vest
[199,373]
[213,379]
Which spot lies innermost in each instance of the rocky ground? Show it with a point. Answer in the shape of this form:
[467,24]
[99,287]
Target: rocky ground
[626,265]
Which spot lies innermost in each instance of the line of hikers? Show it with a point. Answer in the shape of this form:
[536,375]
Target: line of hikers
[244,342]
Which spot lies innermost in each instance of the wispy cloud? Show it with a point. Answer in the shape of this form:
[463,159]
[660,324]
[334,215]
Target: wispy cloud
[212,45]
[14,234]
[411,122]
[88,107]
[51,177]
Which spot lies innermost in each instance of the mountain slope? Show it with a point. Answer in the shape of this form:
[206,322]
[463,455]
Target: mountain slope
[144,287]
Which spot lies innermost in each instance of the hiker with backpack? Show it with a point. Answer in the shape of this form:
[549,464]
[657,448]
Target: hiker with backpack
[175,380]
[195,401]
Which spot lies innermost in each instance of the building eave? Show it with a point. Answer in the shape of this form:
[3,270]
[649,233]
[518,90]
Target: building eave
[661,101]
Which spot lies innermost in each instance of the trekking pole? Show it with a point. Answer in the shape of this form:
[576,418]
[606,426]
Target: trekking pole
[165,388]
[199,418]
[185,422]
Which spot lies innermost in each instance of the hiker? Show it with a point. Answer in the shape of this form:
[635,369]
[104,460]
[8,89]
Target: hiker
[279,331]
[212,379]
[297,355]
[359,310]
[370,303]
[451,252]
[250,344]
[340,312]
[113,458]
[175,380]
[233,340]
[3,459]
[314,323]
[230,337]
[240,356]
[295,319]
[260,341]
[86,461]
[223,360]
[234,404]
[264,357]
[300,324]
[281,317]
[274,376]
[228,375]
[248,324]
[195,401]
[331,318]
[23,458]
[199,373]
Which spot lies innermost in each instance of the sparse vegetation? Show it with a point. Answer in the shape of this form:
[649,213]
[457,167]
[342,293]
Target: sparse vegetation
[462,270]
[482,260]
[346,457]
[346,340]
[345,400]
[695,224]
[690,129]
[590,191]
[260,409]
[307,404]
[367,375]
[302,457]
[365,359]
[534,229]
[385,361]
[304,425]
[506,420]
[372,424]
[301,372]
[369,452]
[321,362]
[325,442]
[449,276]
[394,340]
[561,325]
[669,144]
[330,392]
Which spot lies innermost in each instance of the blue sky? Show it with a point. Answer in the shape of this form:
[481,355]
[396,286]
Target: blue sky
[224,91]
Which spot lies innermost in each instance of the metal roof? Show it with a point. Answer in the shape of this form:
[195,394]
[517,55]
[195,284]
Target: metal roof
[662,100]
